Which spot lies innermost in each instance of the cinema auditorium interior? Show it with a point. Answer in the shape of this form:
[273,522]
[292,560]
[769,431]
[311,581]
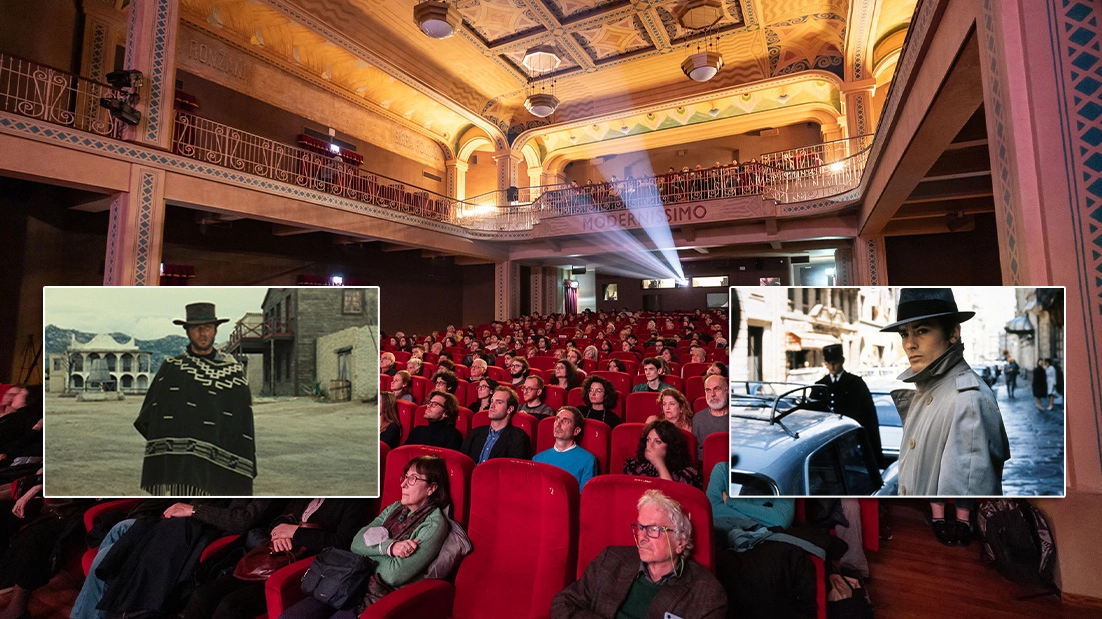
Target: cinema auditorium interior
[487,160]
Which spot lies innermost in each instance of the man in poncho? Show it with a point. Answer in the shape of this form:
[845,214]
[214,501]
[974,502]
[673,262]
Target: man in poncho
[197,419]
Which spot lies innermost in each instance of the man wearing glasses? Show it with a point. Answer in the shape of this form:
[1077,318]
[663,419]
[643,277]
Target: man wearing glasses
[532,392]
[518,370]
[654,579]
[441,410]
[499,439]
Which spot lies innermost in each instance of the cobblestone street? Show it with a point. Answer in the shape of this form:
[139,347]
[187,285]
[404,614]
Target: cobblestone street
[1036,465]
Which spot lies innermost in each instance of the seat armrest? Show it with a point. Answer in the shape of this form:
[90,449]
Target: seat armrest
[283,588]
[424,599]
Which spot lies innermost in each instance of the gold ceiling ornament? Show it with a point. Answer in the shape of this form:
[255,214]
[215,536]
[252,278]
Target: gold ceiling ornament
[437,19]
[699,14]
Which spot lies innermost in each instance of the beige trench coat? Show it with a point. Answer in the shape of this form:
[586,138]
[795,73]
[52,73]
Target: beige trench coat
[954,442]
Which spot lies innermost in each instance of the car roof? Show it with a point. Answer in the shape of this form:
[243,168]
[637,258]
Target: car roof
[768,449]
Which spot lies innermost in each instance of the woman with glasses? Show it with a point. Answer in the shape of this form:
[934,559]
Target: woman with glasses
[566,375]
[403,540]
[663,452]
[482,394]
[599,397]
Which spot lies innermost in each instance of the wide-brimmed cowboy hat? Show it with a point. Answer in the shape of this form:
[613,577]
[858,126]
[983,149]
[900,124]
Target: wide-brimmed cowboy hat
[200,314]
[923,303]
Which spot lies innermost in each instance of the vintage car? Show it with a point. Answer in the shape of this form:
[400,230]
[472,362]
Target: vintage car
[781,446]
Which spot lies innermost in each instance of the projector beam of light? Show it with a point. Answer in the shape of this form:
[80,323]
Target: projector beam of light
[660,234]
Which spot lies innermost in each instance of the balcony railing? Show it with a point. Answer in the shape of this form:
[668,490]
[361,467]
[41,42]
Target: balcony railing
[38,91]
[807,173]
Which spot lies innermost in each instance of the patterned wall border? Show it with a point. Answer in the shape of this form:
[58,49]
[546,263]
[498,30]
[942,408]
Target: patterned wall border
[114,229]
[158,73]
[1006,189]
[1076,39]
[859,112]
[121,150]
[861,42]
[873,249]
[147,201]
[822,206]
[144,200]
[97,58]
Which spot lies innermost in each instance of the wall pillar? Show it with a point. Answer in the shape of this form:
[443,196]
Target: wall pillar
[151,48]
[457,179]
[546,290]
[134,231]
[869,262]
[859,120]
[843,267]
[104,28]
[507,161]
[506,290]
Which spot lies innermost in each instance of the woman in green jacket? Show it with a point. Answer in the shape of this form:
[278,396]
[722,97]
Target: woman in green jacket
[403,540]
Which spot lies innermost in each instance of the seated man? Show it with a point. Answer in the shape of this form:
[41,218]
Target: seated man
[655,579]
[566,454]
[478,370]
[652,369]
[518,370]
[441,410]
[714,418]
[386,364]
[499,439]
[532,390]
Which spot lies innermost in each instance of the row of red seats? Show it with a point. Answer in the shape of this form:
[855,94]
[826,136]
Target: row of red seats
[555,396]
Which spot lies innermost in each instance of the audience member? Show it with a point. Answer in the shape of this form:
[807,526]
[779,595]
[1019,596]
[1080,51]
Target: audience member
[390,428]
[441,411]
[675,409]
[714,418]
[652,369]
[500,439]
[566,453]
[599,397]
[663,452]
[532,392]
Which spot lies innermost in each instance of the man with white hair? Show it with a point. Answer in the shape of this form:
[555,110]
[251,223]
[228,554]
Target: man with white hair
[654,579]
[386,364]
[478,370]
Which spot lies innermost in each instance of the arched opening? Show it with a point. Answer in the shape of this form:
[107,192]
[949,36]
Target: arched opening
[78,381]
[127,362]
[127,381]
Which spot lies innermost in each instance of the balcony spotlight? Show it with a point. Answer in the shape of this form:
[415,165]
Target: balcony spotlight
[128,80]
[122,110]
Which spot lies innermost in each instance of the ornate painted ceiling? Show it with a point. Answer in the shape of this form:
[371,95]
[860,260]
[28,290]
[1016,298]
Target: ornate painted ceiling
[620,61]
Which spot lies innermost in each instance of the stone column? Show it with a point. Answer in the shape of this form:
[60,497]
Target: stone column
[869,264]
[134,231]
[457,179]
[859,120]
[151,49]
[506,290]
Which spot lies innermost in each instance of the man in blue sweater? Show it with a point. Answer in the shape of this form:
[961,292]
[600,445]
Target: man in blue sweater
[566,454]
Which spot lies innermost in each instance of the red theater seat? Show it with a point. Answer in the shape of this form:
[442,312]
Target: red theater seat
[544,363]
[694,388]
[459,476]
[641,405]
[406,412]
[554,396]
[514,571]
[693,369]
[608,508]
[717,448]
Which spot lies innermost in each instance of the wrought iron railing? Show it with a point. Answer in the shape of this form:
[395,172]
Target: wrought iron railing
[223,145]
[38,91]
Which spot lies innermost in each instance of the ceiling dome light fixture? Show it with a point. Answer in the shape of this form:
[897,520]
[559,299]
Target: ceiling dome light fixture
[541,59]
[437,19]
[702,66]
[700,14]
[541,104]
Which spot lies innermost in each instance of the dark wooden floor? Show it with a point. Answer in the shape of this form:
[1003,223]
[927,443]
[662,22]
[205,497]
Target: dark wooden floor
[912,576]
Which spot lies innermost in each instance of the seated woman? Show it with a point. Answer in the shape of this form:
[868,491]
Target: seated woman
[566,375]
[482,394]
[599,397]
[390,428]
[401,385]
[675,409]
[306,524]
[717,367]
[616,365]
[663,452]
[403,540]
[415,366]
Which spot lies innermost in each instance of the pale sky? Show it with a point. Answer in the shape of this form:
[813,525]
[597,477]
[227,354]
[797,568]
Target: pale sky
[144,312]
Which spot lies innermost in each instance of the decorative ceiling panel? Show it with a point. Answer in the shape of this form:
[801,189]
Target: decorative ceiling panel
[773,11]
[568,9]
[805,43]
[732,19]
[614,38]
[496,21]
[516,56]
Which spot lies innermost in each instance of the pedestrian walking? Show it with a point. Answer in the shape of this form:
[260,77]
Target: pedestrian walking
[1040,383]
[1050,381]
[1010,370]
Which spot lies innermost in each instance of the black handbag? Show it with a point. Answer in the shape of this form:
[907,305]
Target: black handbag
[337,577]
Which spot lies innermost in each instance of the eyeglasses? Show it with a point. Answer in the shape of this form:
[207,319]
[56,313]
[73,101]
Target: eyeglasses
[432,403]
[653,531]
[409,480]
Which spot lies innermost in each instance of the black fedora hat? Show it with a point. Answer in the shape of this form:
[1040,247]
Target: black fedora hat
[832,353]
[200,314]
[924,303]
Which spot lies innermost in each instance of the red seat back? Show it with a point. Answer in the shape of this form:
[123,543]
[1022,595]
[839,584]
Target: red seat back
[523,524]
[694,369]
[554,396]
[641,405]
[542,362]
[717,448]
[608,508]
[694,388]
[620,380]
[498,373]
[421,386]
[406,412]
[459,476]
[574,397]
